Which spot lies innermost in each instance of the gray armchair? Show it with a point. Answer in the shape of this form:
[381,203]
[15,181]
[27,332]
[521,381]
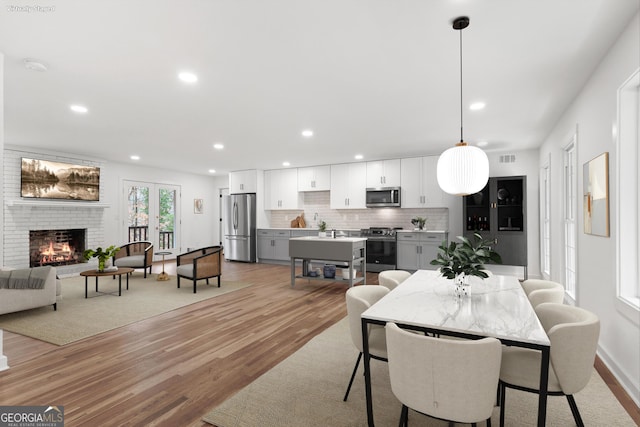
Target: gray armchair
[135,255]
[204,263]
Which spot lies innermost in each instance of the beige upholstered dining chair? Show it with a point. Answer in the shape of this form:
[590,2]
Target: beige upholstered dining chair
[359,299]
[204,263]
[392,278]
[453,380]
[540,291]
[573,333]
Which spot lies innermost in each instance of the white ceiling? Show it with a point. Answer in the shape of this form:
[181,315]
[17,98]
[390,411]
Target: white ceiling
[376,77]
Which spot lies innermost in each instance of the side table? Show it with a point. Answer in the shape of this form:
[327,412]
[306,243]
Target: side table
[163,276]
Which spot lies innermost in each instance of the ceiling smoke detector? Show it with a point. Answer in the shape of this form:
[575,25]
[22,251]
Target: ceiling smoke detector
[32,64]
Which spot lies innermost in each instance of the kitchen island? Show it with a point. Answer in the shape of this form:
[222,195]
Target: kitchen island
[346,251]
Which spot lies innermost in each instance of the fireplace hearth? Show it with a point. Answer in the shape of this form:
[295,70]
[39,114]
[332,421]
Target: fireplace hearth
[56,247]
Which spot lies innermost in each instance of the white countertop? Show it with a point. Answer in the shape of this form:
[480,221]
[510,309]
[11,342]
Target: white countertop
[307,229]
[330,239]
[422,231]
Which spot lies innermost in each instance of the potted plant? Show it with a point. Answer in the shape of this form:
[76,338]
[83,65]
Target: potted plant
[419,222]
[457,261]
[322,228]
[102,255]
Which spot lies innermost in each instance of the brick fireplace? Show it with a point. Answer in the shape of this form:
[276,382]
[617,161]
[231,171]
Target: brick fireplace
[23,217]
[56,247]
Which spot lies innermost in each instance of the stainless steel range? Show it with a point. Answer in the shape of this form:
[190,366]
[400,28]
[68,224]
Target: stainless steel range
[381,248]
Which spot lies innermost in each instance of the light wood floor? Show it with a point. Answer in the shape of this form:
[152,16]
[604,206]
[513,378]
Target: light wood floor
[172,369]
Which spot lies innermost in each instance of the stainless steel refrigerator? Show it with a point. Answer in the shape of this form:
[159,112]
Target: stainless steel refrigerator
[239,216]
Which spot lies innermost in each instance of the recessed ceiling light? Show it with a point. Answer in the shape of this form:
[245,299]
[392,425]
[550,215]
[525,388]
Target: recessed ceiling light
[187,77]
[286,164]
[477,106]
[80,109]
[134,157]
[34,65]
[212,171]
[307,133]
[482,143]
[218,146]
[358,156]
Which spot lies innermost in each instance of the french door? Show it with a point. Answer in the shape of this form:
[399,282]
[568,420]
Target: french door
[152,213]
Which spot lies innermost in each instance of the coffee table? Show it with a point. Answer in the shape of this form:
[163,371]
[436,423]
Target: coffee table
[95,273]
[163,276]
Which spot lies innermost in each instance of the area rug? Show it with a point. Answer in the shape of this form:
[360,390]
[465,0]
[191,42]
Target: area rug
[306,390]
[78,318]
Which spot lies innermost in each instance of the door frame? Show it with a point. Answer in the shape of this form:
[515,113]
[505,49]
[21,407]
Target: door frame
[154,188]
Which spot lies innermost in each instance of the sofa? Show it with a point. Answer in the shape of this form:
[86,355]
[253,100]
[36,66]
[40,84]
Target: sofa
[27,288]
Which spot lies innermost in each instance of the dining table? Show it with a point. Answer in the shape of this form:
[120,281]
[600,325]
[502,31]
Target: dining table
[496,307]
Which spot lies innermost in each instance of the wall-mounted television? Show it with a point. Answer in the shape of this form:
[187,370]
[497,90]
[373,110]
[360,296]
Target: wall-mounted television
[44,179]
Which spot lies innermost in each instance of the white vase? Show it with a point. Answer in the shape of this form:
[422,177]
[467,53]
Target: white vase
[322,234]
[462,286]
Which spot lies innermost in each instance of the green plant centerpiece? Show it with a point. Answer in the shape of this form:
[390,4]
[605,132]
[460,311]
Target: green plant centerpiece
[419,222]
[102,254]
[458,261]
[322,228]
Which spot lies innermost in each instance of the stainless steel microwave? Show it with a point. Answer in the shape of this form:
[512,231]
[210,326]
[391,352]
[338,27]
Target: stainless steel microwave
[385,197]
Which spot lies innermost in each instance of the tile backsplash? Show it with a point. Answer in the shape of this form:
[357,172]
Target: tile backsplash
[316,209]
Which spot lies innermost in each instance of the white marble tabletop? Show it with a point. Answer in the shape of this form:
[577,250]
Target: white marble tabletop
[497,307]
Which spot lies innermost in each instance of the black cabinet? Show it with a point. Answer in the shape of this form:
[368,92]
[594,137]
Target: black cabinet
[499,213]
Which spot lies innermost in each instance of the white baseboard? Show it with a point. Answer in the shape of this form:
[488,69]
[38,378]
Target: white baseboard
[625,381]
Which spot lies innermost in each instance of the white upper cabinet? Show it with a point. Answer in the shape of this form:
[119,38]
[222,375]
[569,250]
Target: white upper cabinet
[348,186]
[243,181]
[281,189]
[419,183]
[383,173]
[316,178]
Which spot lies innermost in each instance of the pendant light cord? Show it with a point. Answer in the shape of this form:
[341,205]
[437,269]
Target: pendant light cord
[461,122]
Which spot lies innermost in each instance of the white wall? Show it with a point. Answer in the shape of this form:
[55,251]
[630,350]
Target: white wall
[594,112]
[1,148]
[106,221]
[3,359]
[197,229]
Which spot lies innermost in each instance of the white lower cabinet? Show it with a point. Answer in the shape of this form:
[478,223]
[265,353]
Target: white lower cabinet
[415,250]
[273,245]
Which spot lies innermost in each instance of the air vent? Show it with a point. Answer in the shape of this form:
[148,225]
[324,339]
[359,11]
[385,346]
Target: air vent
[508,158]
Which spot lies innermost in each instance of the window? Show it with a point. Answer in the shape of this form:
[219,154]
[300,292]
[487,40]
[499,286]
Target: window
[570,203]
[628,196]
[545,220]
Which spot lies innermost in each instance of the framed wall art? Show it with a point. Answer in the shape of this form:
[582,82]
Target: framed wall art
[198,206]
[596,195]
[44,179]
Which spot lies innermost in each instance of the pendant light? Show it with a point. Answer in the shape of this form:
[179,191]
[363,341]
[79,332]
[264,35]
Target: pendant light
[463,169]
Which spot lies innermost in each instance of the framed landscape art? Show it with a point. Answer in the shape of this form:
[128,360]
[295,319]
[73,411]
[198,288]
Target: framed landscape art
[44,179]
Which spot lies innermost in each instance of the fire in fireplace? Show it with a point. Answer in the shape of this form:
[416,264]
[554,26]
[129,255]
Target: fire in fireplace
[56,247]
